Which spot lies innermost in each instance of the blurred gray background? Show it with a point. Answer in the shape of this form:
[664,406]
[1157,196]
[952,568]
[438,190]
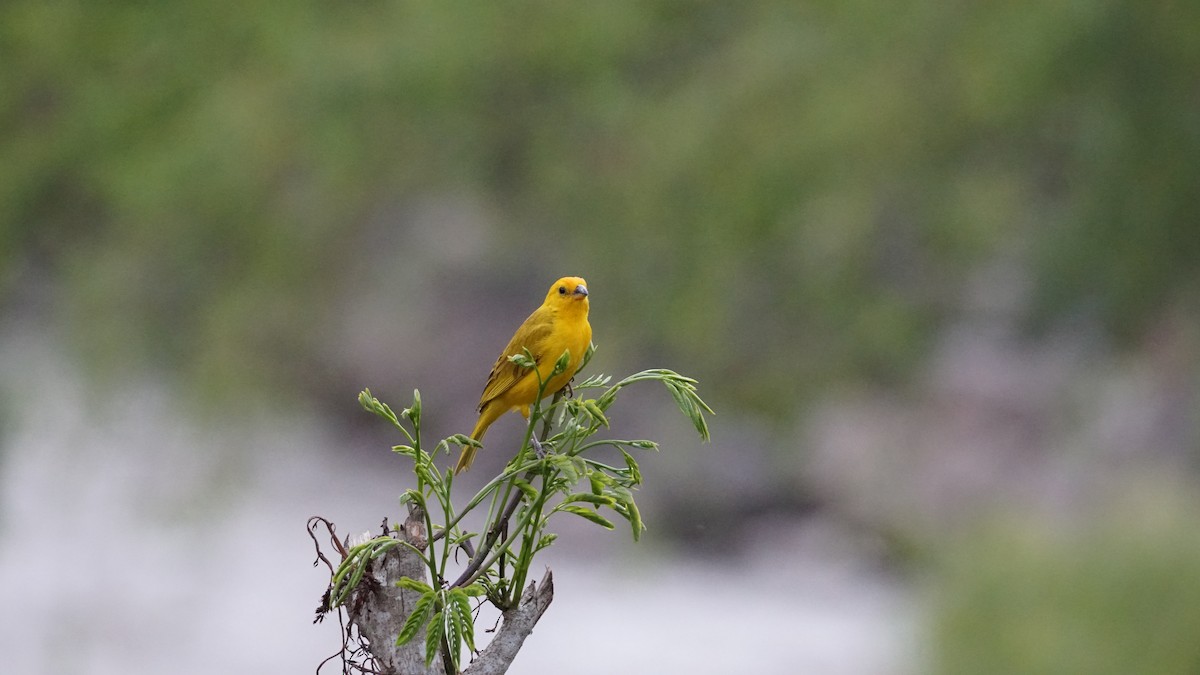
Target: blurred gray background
[936,266]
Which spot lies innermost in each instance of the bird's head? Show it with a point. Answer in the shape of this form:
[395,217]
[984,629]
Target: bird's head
[566,291]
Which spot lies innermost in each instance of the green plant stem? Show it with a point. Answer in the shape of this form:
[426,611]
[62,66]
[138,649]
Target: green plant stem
[421,456]
[481,495]
[528,544]
[529,533]
[511,502]
[501,549]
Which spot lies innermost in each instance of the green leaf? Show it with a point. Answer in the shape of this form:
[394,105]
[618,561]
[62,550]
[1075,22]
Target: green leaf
[635,474]
[681,400]
[414,413]
[524,360]
[560,366]
[464,440]
[634,516]
[367,401]
[461,604]
[424,472]
[416,621]
[474,590]
[433,637]
[356,564]
[545,541]
[597,484]
[598,380]
[377,407]
[687,400]
[525,487]
[593,409]
[599,500]
[566,465]
[454,633]
[621,493]
[586,513]
[411,584]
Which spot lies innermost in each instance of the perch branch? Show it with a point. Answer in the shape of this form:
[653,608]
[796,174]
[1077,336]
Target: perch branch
[518,624]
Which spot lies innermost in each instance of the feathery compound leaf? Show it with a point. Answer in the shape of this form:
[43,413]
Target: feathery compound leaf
[681,400]
[377,407]
[356,564]
[587,513]
[416,621]
[368,402]
[461,604]
[433,637]
[598,380]
[454,633]
[411,584]
[689,404]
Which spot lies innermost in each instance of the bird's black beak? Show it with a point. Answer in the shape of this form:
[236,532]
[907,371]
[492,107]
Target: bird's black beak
[581,290]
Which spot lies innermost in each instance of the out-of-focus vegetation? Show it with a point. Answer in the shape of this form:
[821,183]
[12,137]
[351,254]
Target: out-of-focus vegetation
[1121,594]
[795,192]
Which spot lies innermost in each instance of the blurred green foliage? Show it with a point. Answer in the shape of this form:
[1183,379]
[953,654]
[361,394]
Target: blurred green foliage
[811,182]
[1119,595]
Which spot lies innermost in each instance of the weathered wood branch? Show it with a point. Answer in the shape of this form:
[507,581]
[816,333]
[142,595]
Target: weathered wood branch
[518,624]
[379,610]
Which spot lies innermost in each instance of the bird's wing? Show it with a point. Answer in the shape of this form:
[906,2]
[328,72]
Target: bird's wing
[532,336]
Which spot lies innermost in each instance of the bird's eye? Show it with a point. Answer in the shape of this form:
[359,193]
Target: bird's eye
[562,290]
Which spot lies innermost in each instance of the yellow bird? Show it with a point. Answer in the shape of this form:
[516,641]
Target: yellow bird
[559,325]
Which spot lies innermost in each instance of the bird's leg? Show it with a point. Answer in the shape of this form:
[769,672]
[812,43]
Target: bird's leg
[570,390]
[533,438]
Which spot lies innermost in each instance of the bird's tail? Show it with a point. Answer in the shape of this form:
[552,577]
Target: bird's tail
[468,452]
[465,459]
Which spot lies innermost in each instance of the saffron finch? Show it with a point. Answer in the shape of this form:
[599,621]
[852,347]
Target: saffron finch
[559,325]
